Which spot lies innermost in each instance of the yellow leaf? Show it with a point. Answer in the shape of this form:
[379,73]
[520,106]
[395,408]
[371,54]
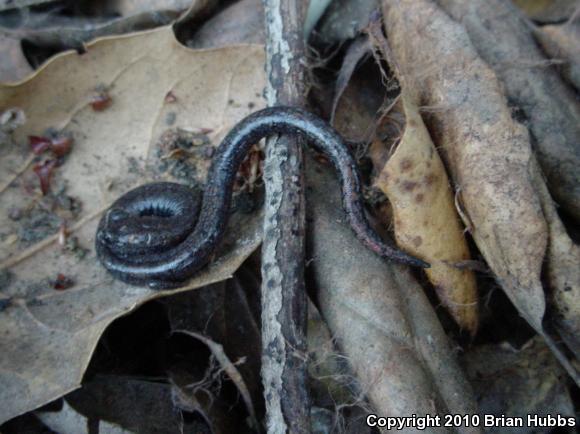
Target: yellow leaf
[426,223]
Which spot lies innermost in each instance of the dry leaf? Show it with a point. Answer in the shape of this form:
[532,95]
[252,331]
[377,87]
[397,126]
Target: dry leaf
[562,271]
[562,44]
[504,40]
[426,223]
[357,52]
[379,316]
[358,106]
[488,153]
[48,336]
[517,383]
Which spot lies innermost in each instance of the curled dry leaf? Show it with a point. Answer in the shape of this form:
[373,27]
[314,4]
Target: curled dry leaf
[562,271]
[488,153]
[503,39]
[562,44]
[426,223]
[380,317]
[114,150]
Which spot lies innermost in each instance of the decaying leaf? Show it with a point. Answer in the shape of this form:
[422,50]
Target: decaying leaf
[562,44]
[518,383]
[503,39]
[426,223]
[488,153]
[380,317]
[562,271]
[47,336]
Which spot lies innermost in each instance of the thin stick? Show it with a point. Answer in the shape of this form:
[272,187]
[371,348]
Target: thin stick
[284,304]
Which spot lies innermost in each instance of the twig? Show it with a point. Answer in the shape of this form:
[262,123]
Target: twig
[283,297]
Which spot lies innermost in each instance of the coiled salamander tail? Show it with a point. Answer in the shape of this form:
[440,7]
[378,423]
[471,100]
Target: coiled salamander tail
[159,234]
